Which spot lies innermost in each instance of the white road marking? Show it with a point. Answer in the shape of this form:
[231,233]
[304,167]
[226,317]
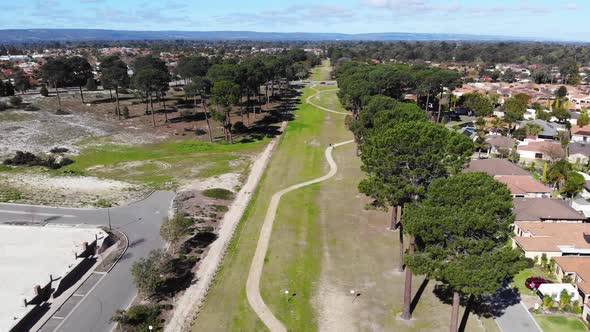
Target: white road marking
[38,214]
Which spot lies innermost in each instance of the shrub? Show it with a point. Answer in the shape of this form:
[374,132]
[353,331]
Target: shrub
[59,150]
[125,112]
[219,193]
[9,196]
[220,208]
[3,106]
[28,159]
[16,100]
[147,272]
[31,108]
[139,318]
[548,302]
[44,92]
[239,127]
[91,85]
[103,203]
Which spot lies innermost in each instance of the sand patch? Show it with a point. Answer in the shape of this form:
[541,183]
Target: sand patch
[229,181]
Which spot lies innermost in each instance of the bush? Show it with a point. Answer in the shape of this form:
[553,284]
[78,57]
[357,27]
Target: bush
[125,112]
[28,159]
[44,92]
[103,203]
[31,108]
[219,193]
[16,100]
[147,272]
[10,196]
[220,208]
[3,106]
[239,127]
[139,318]
[91,85]
[59,150]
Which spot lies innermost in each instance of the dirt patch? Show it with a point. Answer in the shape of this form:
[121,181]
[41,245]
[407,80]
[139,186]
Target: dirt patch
[228,181]
[76,191]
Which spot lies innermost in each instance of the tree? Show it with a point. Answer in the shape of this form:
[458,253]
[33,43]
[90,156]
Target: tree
[173,229]
[462,230]
[561,92]
[189,67]
[200,86]
[139,318]
[561,113]
[565,299]
[226,94]
[91,85]
[80,72]
[573,185]
[22,82]
[56,72]
[402,160]
[584,119]
[114,75]
[147,272]
[150,81]
[533,129]
[479,103]
[43,91]
[558,172]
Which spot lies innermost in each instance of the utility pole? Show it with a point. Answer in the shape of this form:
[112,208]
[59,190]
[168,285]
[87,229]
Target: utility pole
[109,218]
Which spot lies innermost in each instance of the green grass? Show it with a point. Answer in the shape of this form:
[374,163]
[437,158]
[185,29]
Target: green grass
[162,165]
[220,208]
[321,73]
[329,100]
[218,193]
[560,324]
[291,262]
[520,278]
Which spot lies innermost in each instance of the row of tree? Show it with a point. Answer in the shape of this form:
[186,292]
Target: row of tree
[458,225]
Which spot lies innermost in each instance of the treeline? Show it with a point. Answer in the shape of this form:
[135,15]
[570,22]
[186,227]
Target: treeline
[458,225]
[358,81]
[470,52]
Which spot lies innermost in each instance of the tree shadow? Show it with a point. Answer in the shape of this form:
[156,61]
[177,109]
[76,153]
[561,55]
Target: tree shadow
[491,306]
[418,294]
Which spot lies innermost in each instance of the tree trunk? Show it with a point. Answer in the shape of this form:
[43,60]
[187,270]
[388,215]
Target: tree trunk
[208,123]
[153,113]
[111,93]
[427,101]
[117,109]
[57,95]
[165,110]
[231,139]
[401,246]
[393,225]
[407,314]
[82,95]
[455,313]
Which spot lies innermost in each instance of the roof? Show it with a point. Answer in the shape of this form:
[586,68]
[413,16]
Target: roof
[539,146]
[522,184]
[580,265]
[539,209]
[584,131]
[549,128]
[500,141]
[579,148]
[551,236]
[495,167]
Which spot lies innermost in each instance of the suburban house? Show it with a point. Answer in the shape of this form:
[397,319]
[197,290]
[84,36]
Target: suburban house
[530,114]
[500,145]
[550,130]
[552,239]
[579,153]
[495,167]
[524,186]
[578,269]
[581,134]
[539,150]
[499,112]
[574,116]
[547,210]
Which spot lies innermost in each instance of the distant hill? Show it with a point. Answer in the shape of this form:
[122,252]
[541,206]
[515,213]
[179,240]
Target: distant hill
[32,35]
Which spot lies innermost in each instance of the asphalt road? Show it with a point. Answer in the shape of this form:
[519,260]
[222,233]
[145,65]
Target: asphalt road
[515,317]
[140,222]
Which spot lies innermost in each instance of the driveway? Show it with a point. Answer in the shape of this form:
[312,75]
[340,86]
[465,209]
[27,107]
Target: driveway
[514,316]
[140,221]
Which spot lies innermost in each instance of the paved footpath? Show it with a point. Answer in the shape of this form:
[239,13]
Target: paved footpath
[253,282]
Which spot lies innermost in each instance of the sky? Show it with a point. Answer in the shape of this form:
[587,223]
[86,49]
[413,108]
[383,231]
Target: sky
[554,19]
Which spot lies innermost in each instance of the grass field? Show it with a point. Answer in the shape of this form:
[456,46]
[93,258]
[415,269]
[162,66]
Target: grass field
[162,165]
[560,324]
[324,244]
[322,73]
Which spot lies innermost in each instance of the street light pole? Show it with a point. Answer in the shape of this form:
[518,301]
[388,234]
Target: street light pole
[109,217]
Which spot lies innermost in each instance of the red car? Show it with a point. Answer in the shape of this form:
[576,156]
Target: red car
[535,282]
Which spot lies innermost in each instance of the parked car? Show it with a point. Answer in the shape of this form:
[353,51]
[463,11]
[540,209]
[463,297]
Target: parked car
[533,283]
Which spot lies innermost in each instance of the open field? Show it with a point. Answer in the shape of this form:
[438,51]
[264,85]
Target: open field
[322,73]
[560,324]
[324,244]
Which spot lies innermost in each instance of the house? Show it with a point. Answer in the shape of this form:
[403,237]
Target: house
[495,167]
[579,153]
[545,210]
[574,116]
[577,269]
[530,114]
[539,150]
[581,134]
[500,145]
[552,239]
[524,186]
[549,131]
[499,112]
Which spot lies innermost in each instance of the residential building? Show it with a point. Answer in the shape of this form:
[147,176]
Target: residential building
[577,269]
[495,167]
[524,186]
[549,131]
[546,210]
[552,239]
[500,145]
[539,150]
[581,134]
[579,153]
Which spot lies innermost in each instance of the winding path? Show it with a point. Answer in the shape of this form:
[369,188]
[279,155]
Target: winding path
[253,282]
[318,92]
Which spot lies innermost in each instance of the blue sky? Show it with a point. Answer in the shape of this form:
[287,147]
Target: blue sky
[541,18]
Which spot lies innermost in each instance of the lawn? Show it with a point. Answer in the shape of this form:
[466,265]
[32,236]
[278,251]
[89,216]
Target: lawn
[163,165]
[322,73]
[560,324]
[520,278]
[328,99]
